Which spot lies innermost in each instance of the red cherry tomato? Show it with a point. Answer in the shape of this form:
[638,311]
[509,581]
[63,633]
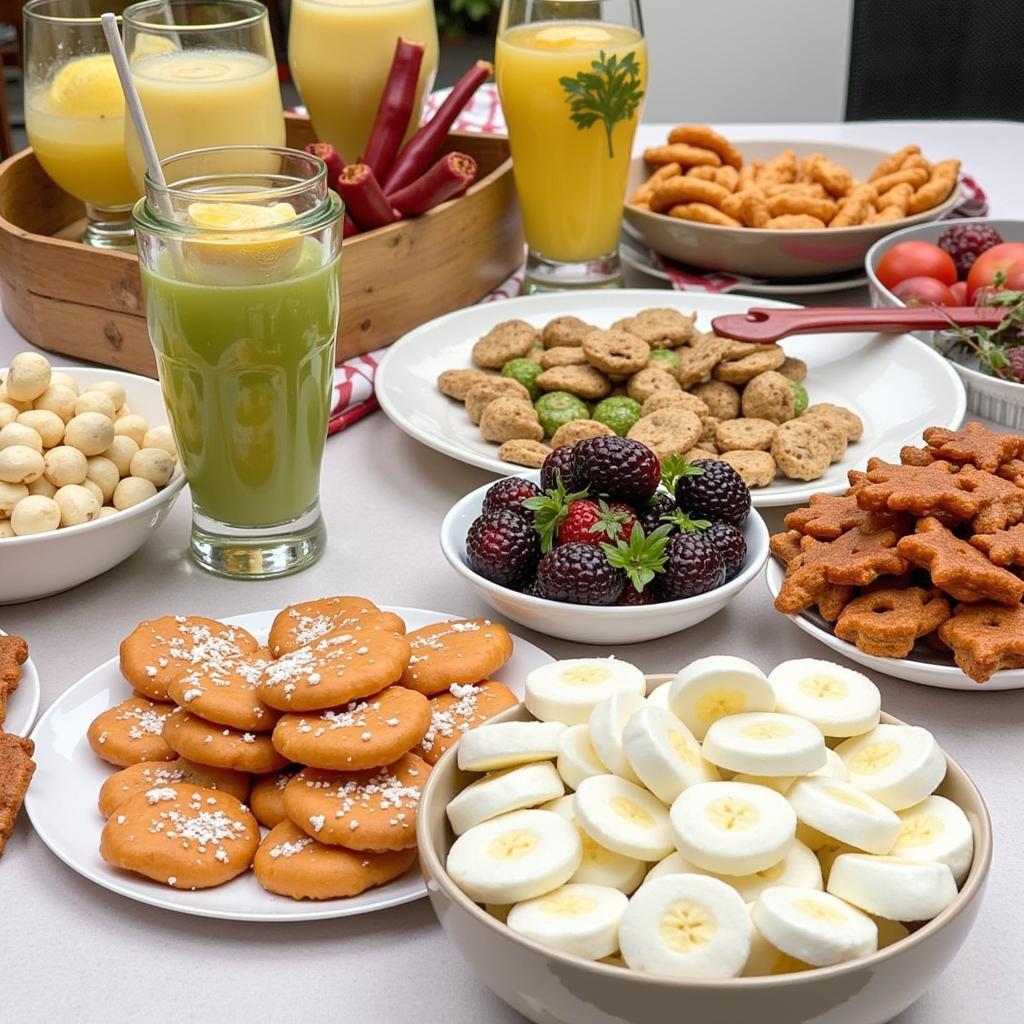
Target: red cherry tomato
[1000,259]
[1015,279]
[923,291]
[915,259]
[959,293]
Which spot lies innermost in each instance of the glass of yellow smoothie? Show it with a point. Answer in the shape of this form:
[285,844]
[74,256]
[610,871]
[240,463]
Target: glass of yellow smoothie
[572,76]
[74,113]
[206,75]
[340,51]
[240,254]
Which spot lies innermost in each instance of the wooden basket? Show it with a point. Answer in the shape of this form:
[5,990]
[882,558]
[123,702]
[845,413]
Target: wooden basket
[85,302]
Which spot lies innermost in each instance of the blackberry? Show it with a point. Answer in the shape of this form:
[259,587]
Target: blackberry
[966,242]
[694,566]
[559,462]
[508,495]
[730,544]
[623,469]
[632,597]
[579,574]
[649,515]
[503,547]
[714,490]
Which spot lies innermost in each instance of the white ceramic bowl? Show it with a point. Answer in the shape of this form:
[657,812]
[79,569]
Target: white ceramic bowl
[1001,401]
[585,624]
[769,253]
[47,563]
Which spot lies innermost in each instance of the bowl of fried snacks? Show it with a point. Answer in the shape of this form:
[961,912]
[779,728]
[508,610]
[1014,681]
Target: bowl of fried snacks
[779,209]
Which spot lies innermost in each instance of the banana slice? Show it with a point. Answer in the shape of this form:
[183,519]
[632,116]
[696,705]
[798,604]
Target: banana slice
[567,691]
[839,701]
[898,765]
[577,758]
[813,926]
[730,828]
[936,830]
[507,744]
[686,926]
[811,837]
[779,783]
[607,722]
[889,931]
[827,854]
[842,811]
[599,866]
[500,792]
[765,959]
[515,857]
[658,697]
[623,817]
[711,688]
[765,743]
[578,919]
[834,767]
[664,754]
[901,890]
[673,864]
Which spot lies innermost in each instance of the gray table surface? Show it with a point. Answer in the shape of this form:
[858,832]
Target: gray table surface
[74,952]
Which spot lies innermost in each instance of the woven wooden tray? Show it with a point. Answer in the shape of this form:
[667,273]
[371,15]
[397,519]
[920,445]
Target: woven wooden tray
[84,302]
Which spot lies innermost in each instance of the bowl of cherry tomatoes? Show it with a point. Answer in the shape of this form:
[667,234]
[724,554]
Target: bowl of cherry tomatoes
[965,262]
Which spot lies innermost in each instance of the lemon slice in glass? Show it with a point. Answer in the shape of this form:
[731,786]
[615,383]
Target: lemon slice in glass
[87,87]
[564,37]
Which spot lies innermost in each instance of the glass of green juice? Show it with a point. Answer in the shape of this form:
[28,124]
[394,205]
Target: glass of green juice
[240,255]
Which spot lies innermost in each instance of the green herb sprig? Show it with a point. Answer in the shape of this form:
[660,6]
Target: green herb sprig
[610,92]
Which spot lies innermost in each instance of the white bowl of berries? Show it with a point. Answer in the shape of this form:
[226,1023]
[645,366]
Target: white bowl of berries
[606,545]
[955,263]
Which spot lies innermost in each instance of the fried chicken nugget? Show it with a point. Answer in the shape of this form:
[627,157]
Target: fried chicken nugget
[898,197]
[805,173]
[682,153]
[788,202]
[794,222]
[915,176]
[646,190]
[754,209]
[916,160]
[888,215]
[797,188]
[748,175]
[725,176]
[936,188]
[894,162]
[836,179]
[683,189]
[853,209]
[705,214]
[704,137]
[780,168]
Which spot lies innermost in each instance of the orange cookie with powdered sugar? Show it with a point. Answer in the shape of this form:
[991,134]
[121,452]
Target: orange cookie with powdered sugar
[457,651]
[299,625]
[266,800]
[132,732]
[155,774]
[463,707]
[221,746]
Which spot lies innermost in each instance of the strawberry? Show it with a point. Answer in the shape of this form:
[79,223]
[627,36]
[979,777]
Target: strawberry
[593,522]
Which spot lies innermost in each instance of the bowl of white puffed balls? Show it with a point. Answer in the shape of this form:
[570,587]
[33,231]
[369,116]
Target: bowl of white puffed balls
[88,470]
[725,844]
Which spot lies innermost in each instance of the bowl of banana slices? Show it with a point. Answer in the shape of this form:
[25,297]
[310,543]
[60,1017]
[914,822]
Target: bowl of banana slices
[749,845]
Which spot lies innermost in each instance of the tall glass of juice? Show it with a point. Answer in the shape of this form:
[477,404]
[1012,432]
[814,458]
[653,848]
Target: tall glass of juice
[206,75]
[572,76]
[240,254]
[339,52]
[74,113]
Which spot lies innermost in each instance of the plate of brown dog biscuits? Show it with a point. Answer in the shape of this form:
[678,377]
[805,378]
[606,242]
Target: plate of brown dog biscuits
[19,686]
[266,767]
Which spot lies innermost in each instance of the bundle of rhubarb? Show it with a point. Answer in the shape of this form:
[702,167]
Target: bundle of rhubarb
[392,181]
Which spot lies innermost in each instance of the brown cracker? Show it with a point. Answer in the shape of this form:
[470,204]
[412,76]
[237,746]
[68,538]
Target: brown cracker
[888,622]
[985,638]
[975,444]
[16,768]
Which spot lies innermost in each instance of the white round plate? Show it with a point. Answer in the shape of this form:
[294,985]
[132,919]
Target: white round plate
[925,666]
[896,385]
[23,704]
[61,802]
[635,253]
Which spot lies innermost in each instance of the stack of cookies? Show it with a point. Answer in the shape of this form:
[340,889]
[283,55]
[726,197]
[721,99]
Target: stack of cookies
[930,549]
[325,737]
[656,378]
[16,764]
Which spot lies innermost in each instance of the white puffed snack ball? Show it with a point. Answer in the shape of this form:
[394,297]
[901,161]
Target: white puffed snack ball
[8,414]
[125,410]
[112,390]
[6,530]
[64,379]
[89,432]
[35,514]
[107,511]
[95,401]
[152,464]
[77,505]
[20,464]
[161,437]
[131,490]
[8,399]
[10,495]
[59,399]
[65,465]
[132,426]
[18,433]
[104,473]
[94,489]
[42,486]
[120,453]
[48,425]
[28,376]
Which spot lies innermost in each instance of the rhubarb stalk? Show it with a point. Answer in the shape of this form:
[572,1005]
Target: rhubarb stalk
[452,174]
[395,109]
[331,157]
[364,198]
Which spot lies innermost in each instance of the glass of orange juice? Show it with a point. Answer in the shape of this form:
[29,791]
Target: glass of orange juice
[206,75]
[74,113]
[572,76]
[340,51]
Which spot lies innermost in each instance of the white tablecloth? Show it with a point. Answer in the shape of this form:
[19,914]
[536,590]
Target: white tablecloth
[73,952]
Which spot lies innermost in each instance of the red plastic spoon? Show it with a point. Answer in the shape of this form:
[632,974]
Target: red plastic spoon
[765,326]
